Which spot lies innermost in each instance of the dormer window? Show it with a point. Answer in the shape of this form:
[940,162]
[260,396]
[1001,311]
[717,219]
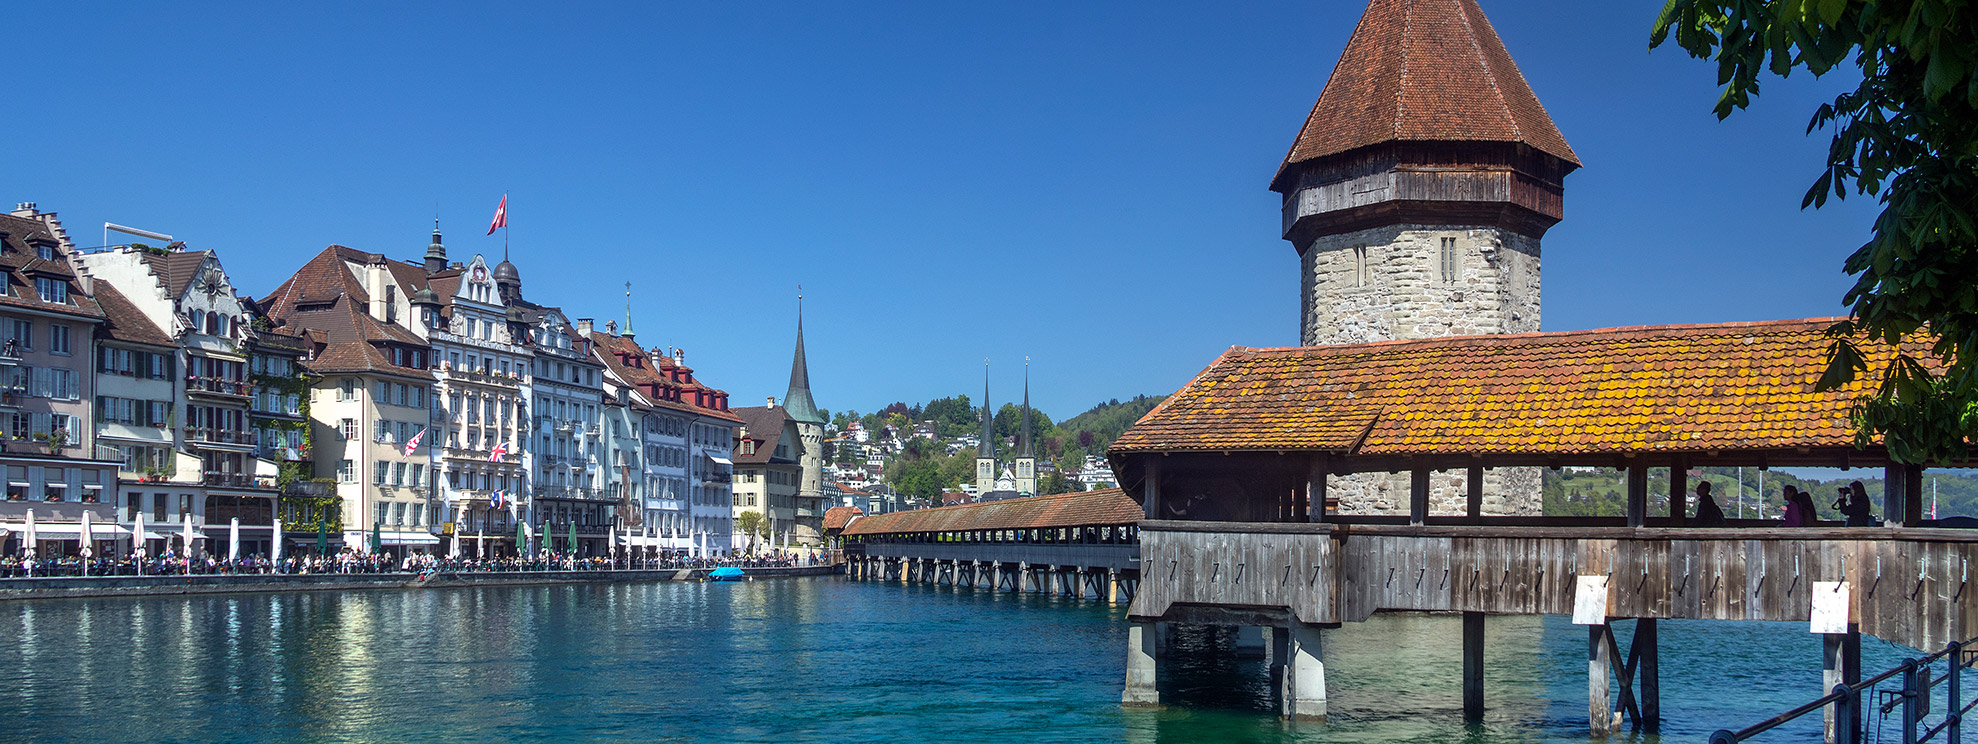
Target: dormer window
[45,250]
[52,290]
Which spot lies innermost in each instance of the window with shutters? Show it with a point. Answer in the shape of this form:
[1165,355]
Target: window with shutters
[346,471]
[20,333]
[378,472]
[58,339]
[347,428]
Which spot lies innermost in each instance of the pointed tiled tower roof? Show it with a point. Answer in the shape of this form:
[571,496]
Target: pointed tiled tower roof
[987,447]
[1424,71]
[797,402]
[1024,449]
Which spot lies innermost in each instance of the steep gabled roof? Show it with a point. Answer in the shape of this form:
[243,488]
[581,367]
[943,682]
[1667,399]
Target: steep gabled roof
[18,258]
[124,323]
[1424,71]
[835,518]
[175,269]
[608,348]
[763,423]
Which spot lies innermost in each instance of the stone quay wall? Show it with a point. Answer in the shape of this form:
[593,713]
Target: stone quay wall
[137,586]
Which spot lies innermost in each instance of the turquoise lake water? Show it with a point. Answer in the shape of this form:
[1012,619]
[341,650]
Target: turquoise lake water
[803,660]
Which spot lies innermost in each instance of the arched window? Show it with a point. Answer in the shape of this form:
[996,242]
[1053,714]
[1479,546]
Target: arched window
[198,318]
[212,324]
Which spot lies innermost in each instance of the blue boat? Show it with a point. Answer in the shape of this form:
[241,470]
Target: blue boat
[725,573]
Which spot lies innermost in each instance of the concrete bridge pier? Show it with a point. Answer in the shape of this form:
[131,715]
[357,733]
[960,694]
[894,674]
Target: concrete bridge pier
[1141,648]
[1302,673]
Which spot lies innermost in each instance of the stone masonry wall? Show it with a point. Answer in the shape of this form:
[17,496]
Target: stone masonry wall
[1386,283]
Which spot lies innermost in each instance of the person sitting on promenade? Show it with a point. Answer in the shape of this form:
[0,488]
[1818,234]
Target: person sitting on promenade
[1708,514]
[1853,505]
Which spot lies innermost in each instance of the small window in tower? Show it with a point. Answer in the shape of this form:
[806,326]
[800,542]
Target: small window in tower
[1449,261]
[1360,273]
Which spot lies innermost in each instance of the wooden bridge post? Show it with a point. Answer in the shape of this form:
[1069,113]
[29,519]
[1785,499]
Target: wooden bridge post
[1476,487]
[1418,496]
[1679,490]
[1473,655]
[1141,666]
[1648,673]
[1304,696]
[1600,714]
[1637,494]
[1315,490]
[1112,586]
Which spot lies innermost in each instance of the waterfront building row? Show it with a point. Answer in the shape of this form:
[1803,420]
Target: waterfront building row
[364,401]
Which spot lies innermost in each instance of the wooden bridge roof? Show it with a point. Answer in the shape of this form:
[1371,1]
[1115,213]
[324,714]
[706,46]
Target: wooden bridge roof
[1655,389]
[1103,507]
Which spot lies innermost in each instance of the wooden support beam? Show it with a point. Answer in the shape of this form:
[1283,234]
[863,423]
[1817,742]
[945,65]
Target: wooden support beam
[1418,496]
[1473,655]
[1649,672]
[1476,484]
[1600,715]
[1637,495]
[1625,675]
[1315,490]
[1150,500]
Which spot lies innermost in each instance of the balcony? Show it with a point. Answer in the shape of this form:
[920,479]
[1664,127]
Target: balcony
[218,436]
[12,398]
[449,372]
[572,492]
[217,386]
[289,454]
[234,480]
[566,427]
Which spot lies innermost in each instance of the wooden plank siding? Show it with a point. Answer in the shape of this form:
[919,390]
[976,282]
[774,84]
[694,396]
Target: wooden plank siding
[1330,573]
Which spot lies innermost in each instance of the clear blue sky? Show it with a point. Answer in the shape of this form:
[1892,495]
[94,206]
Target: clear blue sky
[1081,183]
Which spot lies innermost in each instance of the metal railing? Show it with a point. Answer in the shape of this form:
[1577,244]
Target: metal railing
[1913,698]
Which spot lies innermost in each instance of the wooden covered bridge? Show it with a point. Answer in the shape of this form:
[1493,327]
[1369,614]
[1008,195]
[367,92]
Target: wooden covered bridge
[1075,544]
[1233,471]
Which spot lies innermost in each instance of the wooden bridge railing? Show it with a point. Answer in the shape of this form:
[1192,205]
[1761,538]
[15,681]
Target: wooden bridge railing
[1906,585]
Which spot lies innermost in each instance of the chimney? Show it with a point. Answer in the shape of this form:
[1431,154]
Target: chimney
[584,327]
[25,209]
[611,328]
[772,401]
[680,357]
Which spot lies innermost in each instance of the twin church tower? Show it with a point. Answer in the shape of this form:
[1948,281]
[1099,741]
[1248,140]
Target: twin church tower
[1416,194]
[990,482]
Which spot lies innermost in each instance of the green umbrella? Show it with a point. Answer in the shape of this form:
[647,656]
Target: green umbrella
[573,537]
[322,535]
[520,546]
[377,537]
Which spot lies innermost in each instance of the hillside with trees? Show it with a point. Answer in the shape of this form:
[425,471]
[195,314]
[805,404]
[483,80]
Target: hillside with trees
[924,469]
[1570,492]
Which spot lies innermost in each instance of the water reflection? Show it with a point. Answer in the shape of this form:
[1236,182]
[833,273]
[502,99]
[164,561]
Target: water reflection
[798,660]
